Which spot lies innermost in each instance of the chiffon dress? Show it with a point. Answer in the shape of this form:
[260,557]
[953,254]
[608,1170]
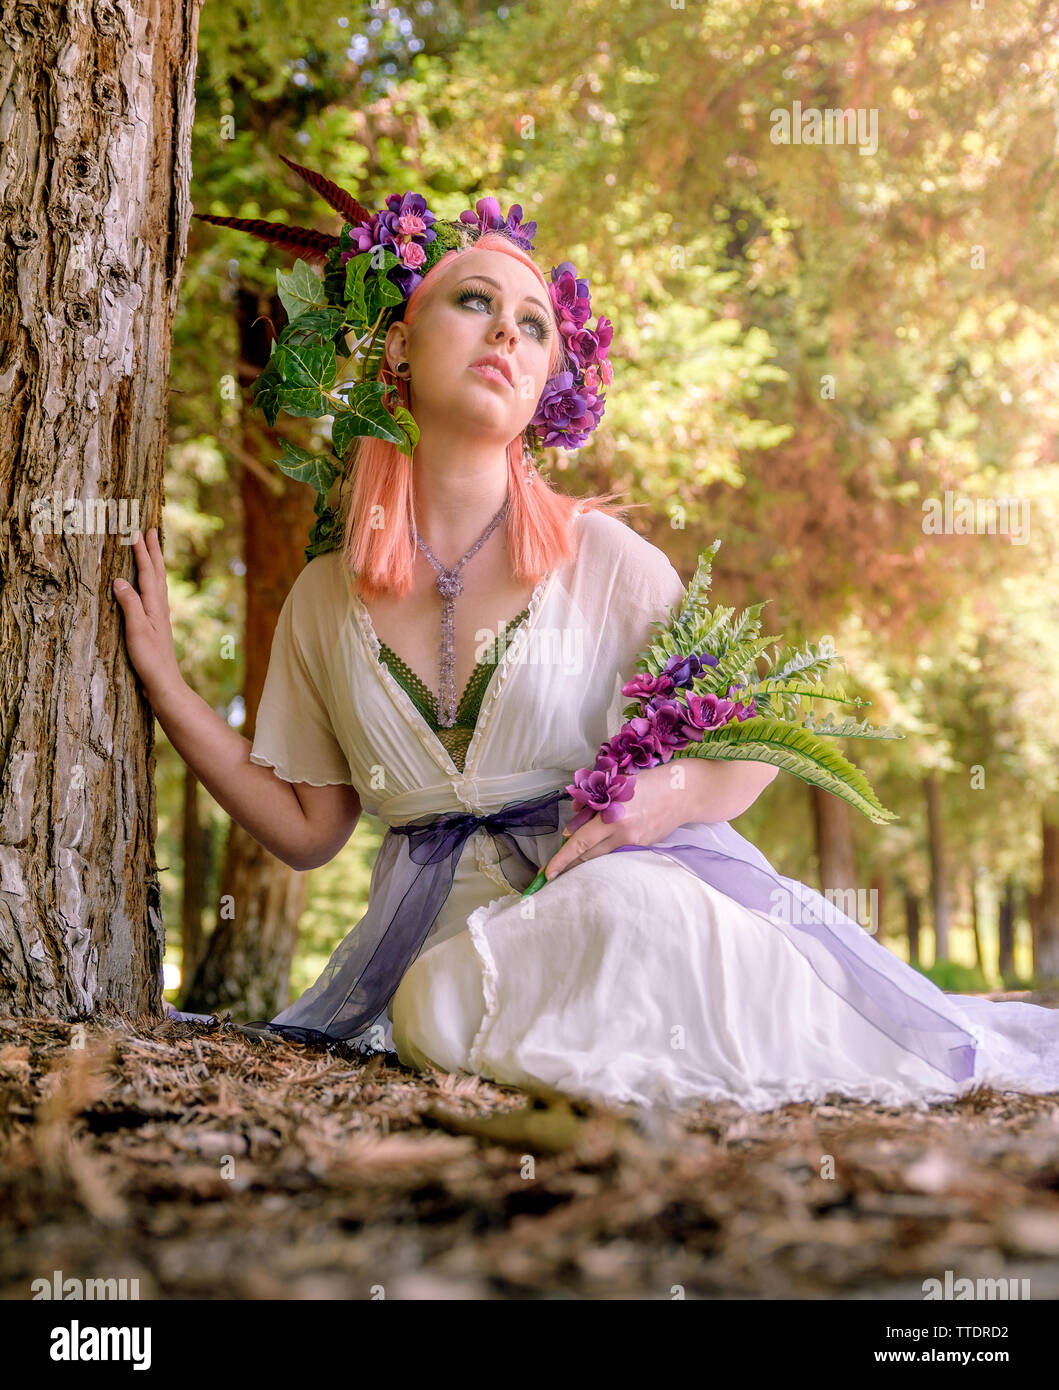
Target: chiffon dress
[666,975]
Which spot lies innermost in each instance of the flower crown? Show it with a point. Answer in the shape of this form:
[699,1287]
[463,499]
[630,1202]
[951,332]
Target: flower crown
[328,358]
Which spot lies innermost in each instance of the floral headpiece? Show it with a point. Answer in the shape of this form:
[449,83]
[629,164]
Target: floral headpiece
[328,358]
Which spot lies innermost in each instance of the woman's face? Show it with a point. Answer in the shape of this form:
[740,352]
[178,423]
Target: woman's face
[491,305]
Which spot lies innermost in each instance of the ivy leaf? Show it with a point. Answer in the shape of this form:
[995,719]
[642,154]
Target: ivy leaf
[300,289]
[313,326]
[367,415]
[309,364]
[306,467]
[267,386]
[368,288]
[326,535]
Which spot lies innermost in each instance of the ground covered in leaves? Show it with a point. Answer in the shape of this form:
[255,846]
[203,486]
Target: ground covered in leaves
[208,1164]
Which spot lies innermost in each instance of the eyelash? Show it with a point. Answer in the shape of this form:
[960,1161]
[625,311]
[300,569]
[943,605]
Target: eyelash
[471,293]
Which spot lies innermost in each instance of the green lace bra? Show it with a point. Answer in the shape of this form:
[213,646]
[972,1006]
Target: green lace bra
[456,739]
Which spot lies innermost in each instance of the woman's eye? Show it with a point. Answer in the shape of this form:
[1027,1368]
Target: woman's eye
[471,296]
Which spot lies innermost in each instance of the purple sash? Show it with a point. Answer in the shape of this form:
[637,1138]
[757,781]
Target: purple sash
[410,882]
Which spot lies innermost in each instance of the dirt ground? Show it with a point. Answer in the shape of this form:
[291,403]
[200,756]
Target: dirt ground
[208,1164]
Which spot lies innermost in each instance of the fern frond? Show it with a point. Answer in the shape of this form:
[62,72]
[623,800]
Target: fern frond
[849,728]
[795,750]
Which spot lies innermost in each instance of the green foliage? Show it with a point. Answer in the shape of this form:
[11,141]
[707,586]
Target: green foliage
[774,734]
[737,273]
[794,750]
[949,975]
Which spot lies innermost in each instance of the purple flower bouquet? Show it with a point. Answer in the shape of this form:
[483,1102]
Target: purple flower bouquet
[698,693]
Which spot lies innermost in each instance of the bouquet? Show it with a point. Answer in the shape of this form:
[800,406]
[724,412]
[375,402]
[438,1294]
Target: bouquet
[699,694]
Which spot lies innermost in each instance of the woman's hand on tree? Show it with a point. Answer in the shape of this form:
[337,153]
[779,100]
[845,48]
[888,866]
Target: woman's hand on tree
[148,632]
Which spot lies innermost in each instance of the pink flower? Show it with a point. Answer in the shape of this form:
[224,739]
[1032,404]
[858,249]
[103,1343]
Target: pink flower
[706,712]
[599,791]
[643,686]
[634,746]
[666,718]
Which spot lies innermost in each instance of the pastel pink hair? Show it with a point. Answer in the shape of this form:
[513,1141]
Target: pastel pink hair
[539,519]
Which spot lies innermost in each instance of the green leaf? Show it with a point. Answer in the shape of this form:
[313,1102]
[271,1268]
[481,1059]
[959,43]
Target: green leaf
[326,535]
[307,401]
[313,326]
[309,364]
[300,289]
[315,469]
[368,289]
[848,728]
[366,414]
[795,750]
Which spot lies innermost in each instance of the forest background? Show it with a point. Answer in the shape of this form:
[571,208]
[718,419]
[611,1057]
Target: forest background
[815,344]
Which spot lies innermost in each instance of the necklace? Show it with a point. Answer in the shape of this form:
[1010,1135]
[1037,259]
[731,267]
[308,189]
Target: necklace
[449,584]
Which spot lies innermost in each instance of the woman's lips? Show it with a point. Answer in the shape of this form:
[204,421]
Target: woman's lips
[491,374]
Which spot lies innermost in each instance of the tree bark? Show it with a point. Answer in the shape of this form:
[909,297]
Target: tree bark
[939,896]
[97,105]
[834,841]
[246,965]
[1006,930]
[912,925]
[1046,936]
[976,923]
[196,878]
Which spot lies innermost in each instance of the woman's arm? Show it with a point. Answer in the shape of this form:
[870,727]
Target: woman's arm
[302,825]
[720,790]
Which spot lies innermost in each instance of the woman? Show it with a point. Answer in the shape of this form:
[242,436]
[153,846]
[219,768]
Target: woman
[627,978]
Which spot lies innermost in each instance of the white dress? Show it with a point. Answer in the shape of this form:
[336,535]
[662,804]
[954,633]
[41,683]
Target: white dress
[628,978]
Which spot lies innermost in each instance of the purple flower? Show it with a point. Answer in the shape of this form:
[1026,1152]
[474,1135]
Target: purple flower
[487,217]
[666,719]
[743,711]
[590,347]
[599,791]
[565,415]
[405,228]
[634,746]
[643,686]
[705,712]
[570,296]
[682,670]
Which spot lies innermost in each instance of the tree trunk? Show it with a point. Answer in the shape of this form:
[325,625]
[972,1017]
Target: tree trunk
[834,841]
[939,897]
[878,902]
[98,105]
[246,967]
[1006,930]
[1046,938]
[976,923]
[912,925]
[196,878]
